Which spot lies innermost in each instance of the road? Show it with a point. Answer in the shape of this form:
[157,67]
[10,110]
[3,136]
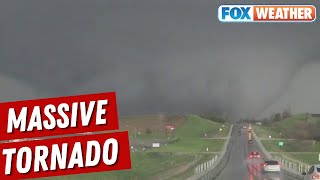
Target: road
[240,167]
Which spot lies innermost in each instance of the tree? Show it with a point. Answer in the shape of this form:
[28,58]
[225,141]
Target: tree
[148,131]
[276,117]
[285,114]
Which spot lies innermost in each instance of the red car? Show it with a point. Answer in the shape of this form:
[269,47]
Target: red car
[254,154]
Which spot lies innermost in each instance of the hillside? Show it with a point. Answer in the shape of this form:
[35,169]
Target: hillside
[300,126]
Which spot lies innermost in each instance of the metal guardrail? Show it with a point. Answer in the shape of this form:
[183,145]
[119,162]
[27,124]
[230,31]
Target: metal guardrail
[204,166]
[216,165]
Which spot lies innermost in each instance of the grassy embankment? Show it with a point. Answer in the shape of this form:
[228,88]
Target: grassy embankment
[186,149]
[306,151]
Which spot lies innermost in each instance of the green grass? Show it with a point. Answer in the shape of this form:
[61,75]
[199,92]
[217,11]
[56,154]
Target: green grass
[144,166]
[193,127]
[307,158]
[296,150]
[265,132]
[158,160]
[192,145]
[289,123]
[286,126]
[197,127]
[148,136]
[291,146]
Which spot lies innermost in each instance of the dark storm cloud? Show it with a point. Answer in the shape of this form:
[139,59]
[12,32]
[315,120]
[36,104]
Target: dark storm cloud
[170,56]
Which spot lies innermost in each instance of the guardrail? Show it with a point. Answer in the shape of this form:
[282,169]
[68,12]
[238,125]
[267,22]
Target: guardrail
[209,172]
[290,168]
[204,166]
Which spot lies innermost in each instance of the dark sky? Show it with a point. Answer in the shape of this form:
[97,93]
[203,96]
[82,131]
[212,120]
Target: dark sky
[158,55]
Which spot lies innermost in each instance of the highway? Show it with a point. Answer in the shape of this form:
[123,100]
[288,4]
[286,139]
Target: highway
[240,167]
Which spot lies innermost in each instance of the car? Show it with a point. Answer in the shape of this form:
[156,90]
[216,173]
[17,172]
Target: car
[244,127]
[250,142]
[313,173]
[271,166]
[254,154]
[249,129]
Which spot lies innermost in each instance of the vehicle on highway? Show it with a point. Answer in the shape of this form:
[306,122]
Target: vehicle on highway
[250,138]
[313,173]
[244,127]
[271,166]
[254,154]
[249,129]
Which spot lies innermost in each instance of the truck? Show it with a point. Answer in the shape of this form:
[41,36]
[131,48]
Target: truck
[250,138]
[249,128]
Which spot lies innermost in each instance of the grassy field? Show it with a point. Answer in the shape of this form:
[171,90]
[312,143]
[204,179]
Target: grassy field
[192,145]
[137,125]
[307,158]
[286,127]
[144,166]
[155,161]
[292,146]
[197,127]
[306,151]
[265,132]
[190,126]
[300,151]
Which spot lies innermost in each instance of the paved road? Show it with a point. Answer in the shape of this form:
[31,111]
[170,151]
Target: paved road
[239,167]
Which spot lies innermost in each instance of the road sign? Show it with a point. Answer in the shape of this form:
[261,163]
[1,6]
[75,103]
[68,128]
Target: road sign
[280,143]
[170,127]
[156,145]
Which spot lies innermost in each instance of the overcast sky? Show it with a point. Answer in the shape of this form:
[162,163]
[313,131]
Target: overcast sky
[158,55]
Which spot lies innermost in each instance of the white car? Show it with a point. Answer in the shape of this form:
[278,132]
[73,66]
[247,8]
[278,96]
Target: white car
[271,166]
[313,173]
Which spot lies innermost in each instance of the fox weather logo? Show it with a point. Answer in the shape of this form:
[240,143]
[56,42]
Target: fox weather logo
[267,13]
